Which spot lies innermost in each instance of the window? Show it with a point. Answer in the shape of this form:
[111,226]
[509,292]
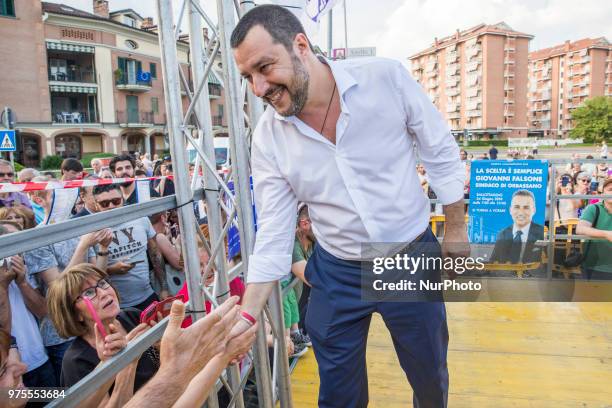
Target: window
[220,111]
[7,8]
[155,105]
[153,70]
[129,21]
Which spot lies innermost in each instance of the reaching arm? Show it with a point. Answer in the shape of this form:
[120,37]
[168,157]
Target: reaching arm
[184,353]
[200,386]
[169,252]
[298,268]
[585,228]
[5,309]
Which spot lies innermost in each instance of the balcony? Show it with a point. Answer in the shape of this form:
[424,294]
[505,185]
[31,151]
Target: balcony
[217,120]
[452,91]
[472,66]
[132,84]
[72,106]
[74,117]
[451,83]
[75,75]
[451,56]
[509,60]
[474,113]
[454,115]
[135,118]
[452,108]
[508,112]
[214,91]
[508,73]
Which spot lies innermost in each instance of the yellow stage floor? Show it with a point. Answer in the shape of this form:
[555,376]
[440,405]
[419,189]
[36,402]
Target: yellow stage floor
[500,355]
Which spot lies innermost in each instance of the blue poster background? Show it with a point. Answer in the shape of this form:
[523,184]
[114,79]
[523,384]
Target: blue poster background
[492,183]
[233,237]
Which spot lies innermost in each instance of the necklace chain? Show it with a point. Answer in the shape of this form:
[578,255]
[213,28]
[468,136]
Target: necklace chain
[328,107]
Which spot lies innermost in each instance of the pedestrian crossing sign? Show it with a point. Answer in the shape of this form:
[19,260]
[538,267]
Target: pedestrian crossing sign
[7,141]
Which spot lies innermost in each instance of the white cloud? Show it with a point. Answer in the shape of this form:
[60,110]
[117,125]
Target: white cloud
[415,23]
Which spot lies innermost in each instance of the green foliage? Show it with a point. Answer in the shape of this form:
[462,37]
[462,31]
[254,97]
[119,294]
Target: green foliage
[19,167]
[88,157]
[481,143]
[51,162]
[593,120]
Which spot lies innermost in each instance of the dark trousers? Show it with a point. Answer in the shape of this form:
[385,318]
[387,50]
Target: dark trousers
[56,355]
[147,302]
[303,307]
[338,321]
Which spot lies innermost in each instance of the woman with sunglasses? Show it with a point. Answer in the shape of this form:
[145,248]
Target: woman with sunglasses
[67,300]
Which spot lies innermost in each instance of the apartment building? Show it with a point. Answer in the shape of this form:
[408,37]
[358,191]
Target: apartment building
[561,78]
[83,82]
[477,78]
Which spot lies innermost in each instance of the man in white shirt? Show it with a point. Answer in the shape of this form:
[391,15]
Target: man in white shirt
[340,136]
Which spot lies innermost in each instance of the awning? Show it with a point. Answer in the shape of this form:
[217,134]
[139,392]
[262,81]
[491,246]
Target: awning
[212,79]
[60,46]
[73,88]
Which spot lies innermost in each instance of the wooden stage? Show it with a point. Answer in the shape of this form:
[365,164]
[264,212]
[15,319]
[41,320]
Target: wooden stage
[500,355]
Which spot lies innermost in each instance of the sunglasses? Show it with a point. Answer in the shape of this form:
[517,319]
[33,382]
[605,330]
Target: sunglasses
[92,291]
[584,180]
[7,174]
[113,201]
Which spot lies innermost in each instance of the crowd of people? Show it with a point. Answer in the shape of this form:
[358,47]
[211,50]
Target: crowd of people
[48,334]
[46,293]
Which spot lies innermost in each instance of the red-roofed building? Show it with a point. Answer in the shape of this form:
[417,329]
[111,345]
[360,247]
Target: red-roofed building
[561,78]
[478,80]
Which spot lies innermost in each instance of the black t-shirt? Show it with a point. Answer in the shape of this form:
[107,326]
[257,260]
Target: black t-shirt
[81,359]
[133,198]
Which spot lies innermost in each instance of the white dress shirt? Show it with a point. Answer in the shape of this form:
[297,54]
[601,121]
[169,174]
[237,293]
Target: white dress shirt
[364,188]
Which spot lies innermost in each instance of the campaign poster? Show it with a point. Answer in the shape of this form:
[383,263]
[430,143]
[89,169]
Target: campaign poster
[507,201]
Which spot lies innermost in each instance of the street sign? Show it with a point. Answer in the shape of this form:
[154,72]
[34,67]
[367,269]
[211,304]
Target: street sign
[7,141]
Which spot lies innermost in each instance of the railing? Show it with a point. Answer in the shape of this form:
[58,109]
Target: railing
[124,80]
[74,117]
[134,117]
[214,89]
[217,120]
[84,76]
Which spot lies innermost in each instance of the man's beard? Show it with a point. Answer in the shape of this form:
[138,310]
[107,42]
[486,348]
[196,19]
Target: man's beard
[127,183]
[297,90]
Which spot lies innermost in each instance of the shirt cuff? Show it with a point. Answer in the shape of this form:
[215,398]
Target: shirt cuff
[268,268]
[449,192]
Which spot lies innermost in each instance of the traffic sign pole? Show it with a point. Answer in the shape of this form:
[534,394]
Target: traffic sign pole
[7,125]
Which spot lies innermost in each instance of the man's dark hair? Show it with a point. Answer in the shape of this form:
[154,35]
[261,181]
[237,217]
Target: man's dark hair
[524,193]
[121,157]
[140,172]
[105,188]
[71,164]
[280,23]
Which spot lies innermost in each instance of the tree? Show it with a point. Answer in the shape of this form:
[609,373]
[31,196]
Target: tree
[593,120]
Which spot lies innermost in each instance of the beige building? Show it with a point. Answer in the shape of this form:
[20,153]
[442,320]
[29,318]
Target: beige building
[561,78]
[83,83]
[478,80]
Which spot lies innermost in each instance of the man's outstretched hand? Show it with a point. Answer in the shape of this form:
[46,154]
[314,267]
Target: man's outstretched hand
[186,351]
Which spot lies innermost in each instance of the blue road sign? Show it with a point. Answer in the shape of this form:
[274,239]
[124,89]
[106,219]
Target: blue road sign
[7,141]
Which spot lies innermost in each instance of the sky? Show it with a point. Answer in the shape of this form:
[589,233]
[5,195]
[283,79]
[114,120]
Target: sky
[400,28]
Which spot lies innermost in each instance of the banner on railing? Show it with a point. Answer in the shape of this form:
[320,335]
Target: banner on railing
[508,206]
[56,184]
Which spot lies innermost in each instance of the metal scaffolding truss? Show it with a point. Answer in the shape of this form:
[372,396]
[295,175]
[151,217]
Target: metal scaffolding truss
[222,202]
[224,206]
